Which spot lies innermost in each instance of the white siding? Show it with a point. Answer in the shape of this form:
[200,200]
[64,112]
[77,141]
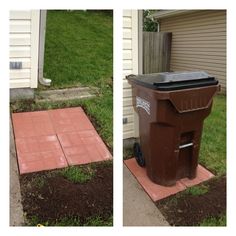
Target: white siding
[130,66]
[23,43]
[198,42]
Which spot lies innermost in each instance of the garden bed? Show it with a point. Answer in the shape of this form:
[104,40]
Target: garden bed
[198,205]
[74,196]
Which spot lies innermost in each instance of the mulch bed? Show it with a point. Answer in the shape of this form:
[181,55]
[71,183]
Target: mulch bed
[58,198]
[190,210]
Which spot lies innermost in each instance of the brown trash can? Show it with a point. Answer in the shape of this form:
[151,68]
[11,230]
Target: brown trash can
[171,107]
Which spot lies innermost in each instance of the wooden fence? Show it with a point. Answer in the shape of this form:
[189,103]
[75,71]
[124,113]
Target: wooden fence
[156,52]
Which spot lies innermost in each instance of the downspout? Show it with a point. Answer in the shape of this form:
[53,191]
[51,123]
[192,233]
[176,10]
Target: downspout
[140,64]
[158,25]
[156,21]
[140,41]
[42,30]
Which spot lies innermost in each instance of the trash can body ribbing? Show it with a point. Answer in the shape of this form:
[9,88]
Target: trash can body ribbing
[171,115]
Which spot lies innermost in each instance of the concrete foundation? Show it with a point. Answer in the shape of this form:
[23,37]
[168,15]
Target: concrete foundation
[21,94]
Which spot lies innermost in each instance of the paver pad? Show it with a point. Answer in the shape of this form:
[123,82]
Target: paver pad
[57,138]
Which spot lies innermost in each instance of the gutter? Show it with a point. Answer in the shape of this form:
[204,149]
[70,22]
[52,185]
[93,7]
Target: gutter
[168,13]
[42,30]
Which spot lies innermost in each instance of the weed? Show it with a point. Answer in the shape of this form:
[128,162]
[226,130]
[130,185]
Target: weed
[38,182]
[197,190]
[98,221]
[128,153]
[214,221]
[34,221]
[71,221]
[78,174]
[101,164]
[173,200]
[67,221]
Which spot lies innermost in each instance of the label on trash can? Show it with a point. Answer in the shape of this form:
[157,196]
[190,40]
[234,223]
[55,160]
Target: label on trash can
[140,102]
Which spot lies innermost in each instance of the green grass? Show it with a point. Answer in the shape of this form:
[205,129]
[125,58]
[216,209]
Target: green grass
[197,190]
[128,153]
[78,48]
[212,221]
[213,144]
[78,174]
[71,221]
[97,221]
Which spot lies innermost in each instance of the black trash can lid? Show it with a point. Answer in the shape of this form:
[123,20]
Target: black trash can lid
[167,81]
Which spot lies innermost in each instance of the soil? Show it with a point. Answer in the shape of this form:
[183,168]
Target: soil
[59,198]
[190,210]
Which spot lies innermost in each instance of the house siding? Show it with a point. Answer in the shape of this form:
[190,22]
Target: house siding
[130,66]
[23,46]
[198,42]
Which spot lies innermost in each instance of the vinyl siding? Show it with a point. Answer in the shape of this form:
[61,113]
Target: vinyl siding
[23,47]
[130,66]
[198,42]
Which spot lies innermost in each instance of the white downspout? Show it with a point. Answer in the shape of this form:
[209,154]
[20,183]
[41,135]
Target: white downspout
[42,30]
[158,26]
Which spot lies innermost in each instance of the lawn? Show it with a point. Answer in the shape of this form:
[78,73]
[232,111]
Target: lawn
[213,144]
[78,48]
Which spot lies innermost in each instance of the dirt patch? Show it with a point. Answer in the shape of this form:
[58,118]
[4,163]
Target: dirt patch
[51,197]
[189,210]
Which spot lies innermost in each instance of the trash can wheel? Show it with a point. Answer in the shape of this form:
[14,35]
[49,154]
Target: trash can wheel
[138,155]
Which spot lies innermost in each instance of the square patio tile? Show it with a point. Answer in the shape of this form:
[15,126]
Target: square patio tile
[158,192]
[69,120]
[83,147]
[39,153]
[32,124]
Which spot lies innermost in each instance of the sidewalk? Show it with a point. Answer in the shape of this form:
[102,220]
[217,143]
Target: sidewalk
[138,209]
[16,210]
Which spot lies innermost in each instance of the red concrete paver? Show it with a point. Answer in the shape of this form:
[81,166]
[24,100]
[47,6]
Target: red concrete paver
[70,120]
[202,175]
[32,124]
[55,138]
[39,153]
[158,192]
[138,171]
[83,147]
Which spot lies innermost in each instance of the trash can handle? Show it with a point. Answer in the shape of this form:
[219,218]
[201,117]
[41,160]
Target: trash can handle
[193,99]
[185,145]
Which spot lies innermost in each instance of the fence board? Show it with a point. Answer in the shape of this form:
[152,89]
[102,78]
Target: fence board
[156,51]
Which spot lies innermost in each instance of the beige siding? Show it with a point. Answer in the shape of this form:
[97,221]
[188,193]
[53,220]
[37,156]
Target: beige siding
[198,42]
[23,46]
[130,66]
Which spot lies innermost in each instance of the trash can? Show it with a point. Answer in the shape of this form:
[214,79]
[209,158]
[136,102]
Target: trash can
[172,107]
